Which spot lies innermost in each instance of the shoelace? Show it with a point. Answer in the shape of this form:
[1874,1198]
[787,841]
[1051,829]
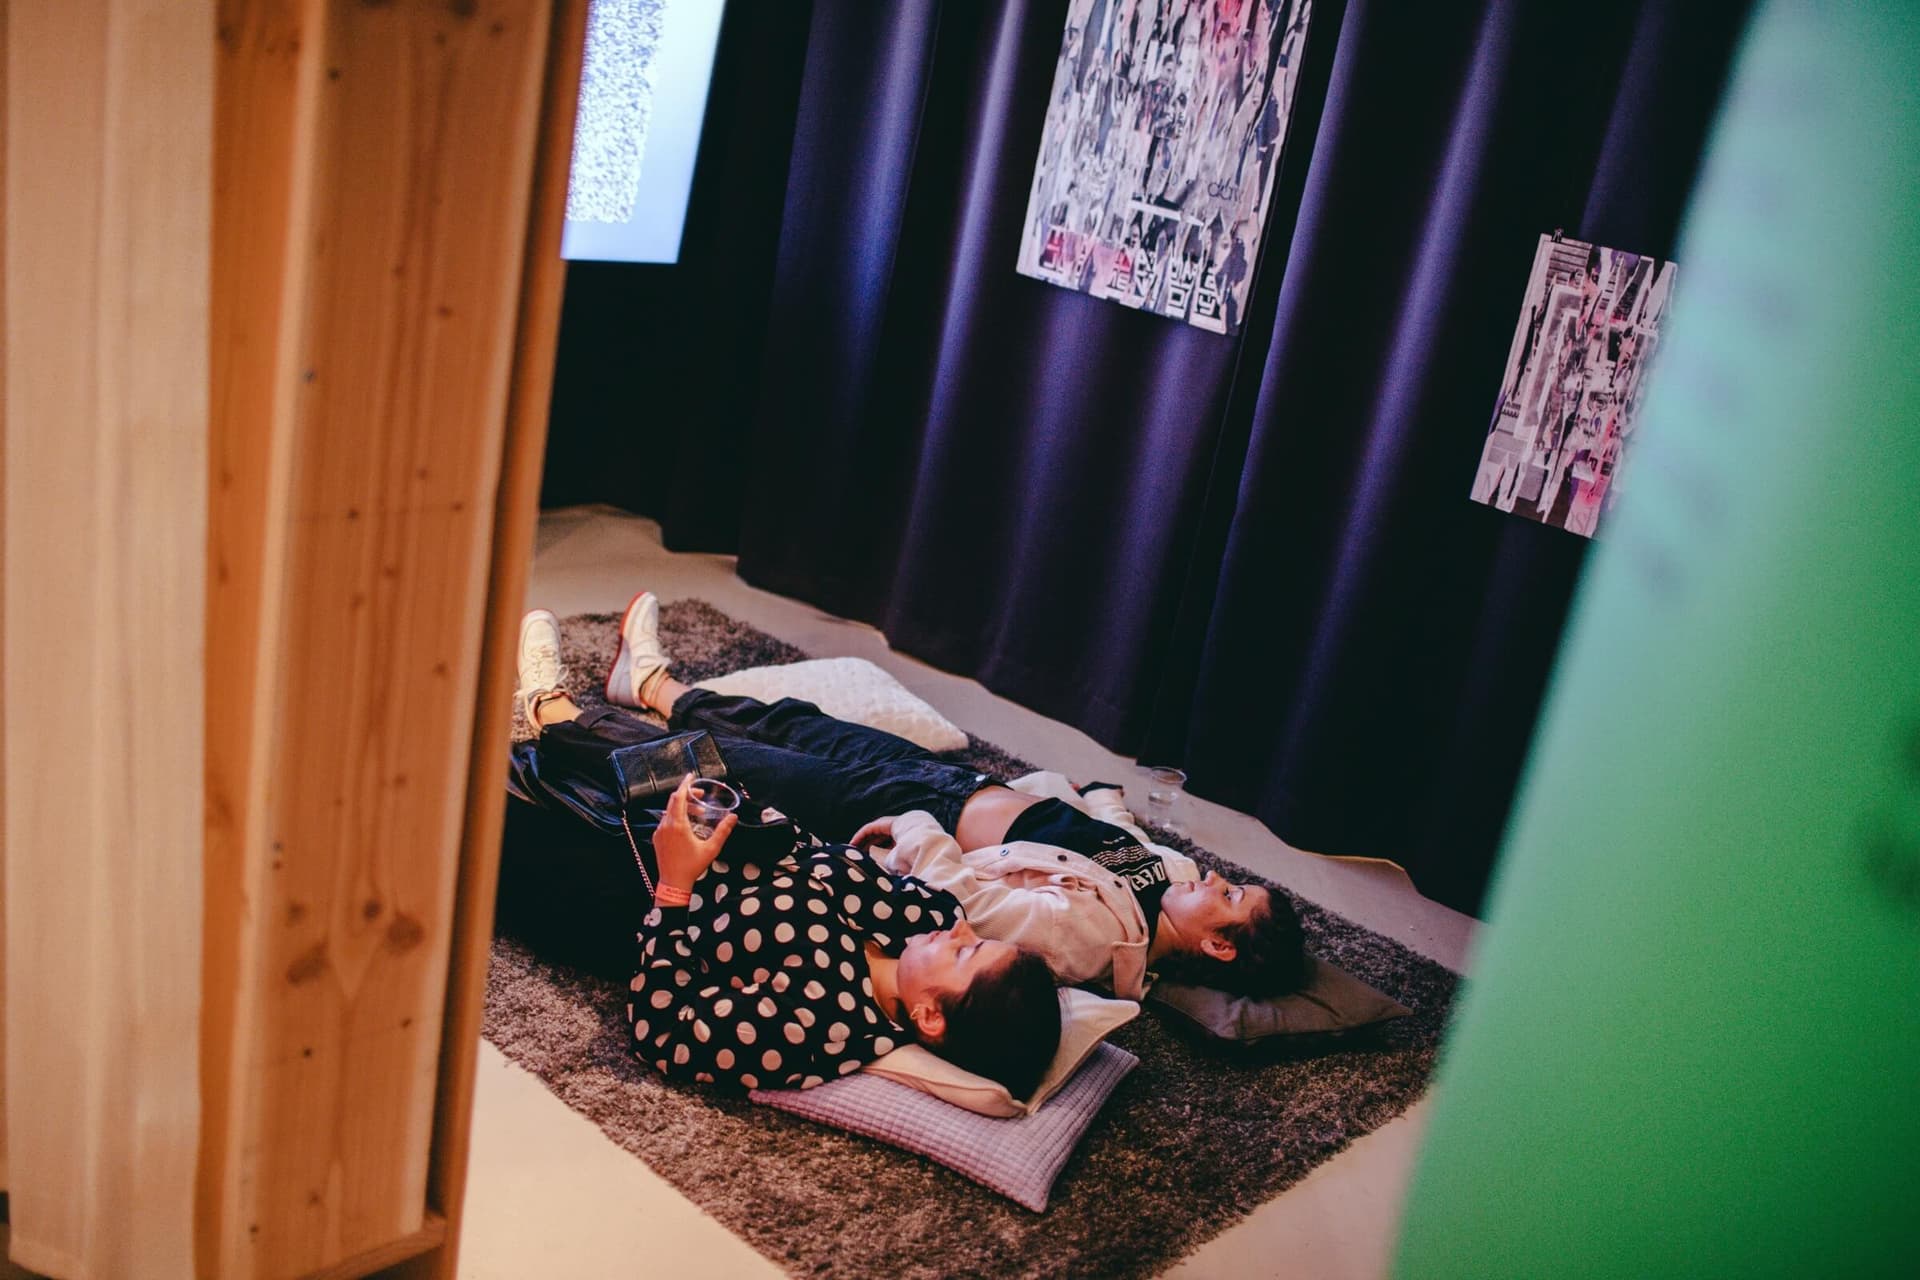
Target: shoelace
[543,657]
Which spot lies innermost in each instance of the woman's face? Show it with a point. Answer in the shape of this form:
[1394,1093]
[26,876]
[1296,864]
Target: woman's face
[1203,908]
[942,966]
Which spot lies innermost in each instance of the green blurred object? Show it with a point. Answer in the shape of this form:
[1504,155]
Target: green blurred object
[1691,1044]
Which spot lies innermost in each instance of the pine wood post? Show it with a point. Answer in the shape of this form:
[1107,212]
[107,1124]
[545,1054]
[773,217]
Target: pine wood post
[3,596]
[515,518]
[109,122]
[280,304]
[375,171]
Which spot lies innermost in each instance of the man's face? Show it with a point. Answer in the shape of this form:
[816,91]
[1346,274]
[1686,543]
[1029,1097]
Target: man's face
[1200,909]
[940,967]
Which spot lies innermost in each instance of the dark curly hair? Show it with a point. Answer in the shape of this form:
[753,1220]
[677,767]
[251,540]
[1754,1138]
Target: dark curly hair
[1270,957]
[1006,1026]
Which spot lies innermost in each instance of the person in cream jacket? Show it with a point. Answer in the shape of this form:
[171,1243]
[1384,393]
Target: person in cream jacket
[1082,918]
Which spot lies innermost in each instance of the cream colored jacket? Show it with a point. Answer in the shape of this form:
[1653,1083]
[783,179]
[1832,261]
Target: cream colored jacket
[1082,918]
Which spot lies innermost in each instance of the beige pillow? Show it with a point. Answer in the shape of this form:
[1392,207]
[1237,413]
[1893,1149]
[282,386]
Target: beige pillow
[1085,1020]
[847,689]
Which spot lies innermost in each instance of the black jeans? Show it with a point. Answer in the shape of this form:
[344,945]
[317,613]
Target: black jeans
[831,777]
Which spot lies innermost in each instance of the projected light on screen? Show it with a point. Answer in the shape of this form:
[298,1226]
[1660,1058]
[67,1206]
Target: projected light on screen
[643,96]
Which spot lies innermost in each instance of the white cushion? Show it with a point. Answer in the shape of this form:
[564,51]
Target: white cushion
[1085,1020]
[847,689]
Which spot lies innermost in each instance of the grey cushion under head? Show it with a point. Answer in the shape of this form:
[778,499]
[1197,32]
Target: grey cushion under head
[1330,1000]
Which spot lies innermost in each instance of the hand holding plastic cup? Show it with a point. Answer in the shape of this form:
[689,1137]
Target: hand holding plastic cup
[708,801]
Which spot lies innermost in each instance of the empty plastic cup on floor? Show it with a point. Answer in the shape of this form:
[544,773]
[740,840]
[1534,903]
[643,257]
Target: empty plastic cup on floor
[1163,795]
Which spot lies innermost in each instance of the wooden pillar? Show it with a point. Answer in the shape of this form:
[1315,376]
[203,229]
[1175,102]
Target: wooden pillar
[279,305]
[375,168]
[515,517]
[109,151]
[3,595]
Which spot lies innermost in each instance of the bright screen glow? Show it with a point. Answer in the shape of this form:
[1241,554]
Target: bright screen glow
[643,97]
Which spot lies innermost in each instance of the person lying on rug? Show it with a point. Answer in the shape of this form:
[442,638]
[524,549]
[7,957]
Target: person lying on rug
[797,971]
[1066,873]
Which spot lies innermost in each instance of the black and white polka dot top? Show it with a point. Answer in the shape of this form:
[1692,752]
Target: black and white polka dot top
[761,979]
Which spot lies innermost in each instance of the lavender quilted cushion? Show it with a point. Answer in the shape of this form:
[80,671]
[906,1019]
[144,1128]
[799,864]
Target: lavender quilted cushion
[1018,1157]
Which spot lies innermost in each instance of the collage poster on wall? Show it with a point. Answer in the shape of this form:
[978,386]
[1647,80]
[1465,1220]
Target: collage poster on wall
[1564,417]
[1157,160]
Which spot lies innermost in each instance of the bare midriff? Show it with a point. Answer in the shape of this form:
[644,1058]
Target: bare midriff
[987,814]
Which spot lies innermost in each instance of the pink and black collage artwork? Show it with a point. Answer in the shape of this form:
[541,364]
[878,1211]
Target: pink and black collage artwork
[1564,418]
[1157,160]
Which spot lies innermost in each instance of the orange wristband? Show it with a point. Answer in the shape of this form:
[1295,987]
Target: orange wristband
[670,895]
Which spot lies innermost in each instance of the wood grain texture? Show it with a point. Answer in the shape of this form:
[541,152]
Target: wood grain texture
[516,514]
[431,1235]
[3,595]
[266,101]
[109,106]
[394,144]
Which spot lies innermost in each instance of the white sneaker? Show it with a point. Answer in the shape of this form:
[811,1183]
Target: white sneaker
[539,661]
[640,656]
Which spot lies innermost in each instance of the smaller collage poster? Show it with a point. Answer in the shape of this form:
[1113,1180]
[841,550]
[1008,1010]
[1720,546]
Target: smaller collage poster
[1163,136]
[1563,420]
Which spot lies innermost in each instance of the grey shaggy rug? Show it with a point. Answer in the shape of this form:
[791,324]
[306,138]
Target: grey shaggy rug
[1190,1143]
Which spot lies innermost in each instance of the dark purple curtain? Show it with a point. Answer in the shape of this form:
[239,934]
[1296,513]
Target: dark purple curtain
[1361,652]
[1251,556]
[1004,476]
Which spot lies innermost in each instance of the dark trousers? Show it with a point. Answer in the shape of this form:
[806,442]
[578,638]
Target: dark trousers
[830,776]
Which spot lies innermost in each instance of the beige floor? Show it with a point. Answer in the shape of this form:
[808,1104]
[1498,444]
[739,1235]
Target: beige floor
[551,1196]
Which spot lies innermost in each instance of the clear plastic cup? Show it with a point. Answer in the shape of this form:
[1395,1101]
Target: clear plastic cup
[1164,785]
[708,801]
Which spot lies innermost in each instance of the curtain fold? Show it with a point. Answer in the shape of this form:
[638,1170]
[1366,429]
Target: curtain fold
[966,457]
[835,363]
[1366,672]
[1253,556]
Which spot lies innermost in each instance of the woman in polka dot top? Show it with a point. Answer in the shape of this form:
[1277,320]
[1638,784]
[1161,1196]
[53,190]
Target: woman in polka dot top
[797,966]
[794,973]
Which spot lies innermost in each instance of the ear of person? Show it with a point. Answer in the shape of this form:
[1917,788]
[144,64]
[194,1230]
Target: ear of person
[928,1021]
[1218,948]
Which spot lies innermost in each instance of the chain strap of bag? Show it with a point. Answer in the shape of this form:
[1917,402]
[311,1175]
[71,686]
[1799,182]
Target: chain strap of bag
[627,827]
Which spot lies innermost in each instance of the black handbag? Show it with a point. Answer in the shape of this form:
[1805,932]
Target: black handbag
[653,769]
[649,770]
